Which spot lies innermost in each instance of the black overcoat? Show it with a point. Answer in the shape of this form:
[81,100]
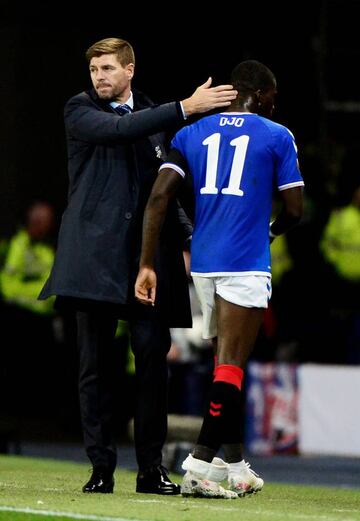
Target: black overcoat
[112,166]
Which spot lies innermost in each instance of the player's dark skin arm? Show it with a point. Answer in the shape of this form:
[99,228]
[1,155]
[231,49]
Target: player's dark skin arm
[164,189]
[291,212]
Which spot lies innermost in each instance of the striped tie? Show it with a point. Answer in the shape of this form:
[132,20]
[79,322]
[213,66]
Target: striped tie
[123,109]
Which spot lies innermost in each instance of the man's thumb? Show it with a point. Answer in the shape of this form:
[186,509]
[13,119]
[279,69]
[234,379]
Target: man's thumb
[207,84]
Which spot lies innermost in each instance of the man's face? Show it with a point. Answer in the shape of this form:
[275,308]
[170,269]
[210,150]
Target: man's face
[110,79]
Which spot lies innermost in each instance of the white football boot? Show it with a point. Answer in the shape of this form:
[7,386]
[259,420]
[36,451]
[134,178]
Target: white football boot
[202,479]
[243,480]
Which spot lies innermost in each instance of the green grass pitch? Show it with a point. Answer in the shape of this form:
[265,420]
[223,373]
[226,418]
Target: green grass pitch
[42,490]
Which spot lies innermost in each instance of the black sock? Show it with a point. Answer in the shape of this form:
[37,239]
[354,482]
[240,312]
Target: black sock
[222,419]
[233,431]
[233,452]
[203,453]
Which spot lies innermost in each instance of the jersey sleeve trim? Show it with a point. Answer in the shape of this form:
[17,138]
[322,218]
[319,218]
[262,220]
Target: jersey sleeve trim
[173,167]
[290,185]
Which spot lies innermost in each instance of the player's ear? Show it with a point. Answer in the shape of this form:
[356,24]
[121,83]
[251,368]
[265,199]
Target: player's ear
[130,69]
[258,97]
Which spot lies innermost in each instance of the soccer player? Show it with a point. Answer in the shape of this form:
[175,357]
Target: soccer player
[235,159]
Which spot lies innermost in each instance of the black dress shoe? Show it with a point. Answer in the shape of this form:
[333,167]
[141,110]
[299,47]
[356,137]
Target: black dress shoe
[155,480]
[101,481]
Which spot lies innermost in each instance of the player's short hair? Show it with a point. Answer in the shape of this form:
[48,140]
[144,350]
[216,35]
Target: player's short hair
[123,50]
[250,75]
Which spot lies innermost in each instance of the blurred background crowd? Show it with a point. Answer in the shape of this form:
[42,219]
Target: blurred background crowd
[314,314]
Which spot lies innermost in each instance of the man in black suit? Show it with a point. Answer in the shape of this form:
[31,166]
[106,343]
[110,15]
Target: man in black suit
[115,147]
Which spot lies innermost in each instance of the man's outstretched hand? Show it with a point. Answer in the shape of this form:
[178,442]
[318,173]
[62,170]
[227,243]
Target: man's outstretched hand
[145,286]
[207,98]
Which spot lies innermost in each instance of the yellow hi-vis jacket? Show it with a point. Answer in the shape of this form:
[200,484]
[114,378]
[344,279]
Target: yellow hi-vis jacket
[340,243]
[281,261]
[26,268]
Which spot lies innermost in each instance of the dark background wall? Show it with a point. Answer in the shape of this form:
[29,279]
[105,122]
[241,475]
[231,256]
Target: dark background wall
[312,51]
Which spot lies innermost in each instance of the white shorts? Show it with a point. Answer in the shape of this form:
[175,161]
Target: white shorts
[250,291]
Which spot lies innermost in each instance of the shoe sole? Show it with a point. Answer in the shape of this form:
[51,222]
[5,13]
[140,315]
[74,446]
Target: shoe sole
[159,492]
[198,493]
[202,496]
[246,493]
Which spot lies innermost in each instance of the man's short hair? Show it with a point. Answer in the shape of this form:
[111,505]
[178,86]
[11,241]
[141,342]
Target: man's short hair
[122,49]
[250,75]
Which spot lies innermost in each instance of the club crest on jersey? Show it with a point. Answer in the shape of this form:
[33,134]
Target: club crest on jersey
[158,151]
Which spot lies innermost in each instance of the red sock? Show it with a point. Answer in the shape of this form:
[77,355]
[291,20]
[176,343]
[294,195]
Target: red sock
[230,374]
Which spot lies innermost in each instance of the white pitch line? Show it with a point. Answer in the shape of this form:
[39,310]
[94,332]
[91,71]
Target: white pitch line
[70,515]
[92,517]
[14,485]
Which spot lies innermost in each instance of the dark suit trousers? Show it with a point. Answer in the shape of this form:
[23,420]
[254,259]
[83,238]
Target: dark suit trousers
[150,342]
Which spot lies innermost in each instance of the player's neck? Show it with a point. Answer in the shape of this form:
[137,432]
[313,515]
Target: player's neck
[234,107]
[243,104]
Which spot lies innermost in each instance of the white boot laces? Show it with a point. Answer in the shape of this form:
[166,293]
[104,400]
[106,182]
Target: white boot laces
[247,464]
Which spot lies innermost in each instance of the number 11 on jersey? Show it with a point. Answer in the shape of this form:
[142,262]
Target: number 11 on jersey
[213,143]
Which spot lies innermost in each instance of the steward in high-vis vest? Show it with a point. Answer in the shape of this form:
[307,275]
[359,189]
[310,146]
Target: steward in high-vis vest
[340,243]
[28,262]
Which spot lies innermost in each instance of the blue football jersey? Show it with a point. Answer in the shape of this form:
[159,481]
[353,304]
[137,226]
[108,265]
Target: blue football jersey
[236,160]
